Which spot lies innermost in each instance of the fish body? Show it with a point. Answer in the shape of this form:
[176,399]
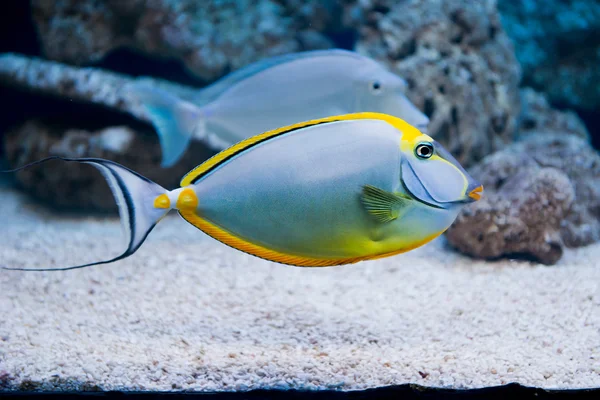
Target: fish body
[277,92]
[302,193]
[325,192]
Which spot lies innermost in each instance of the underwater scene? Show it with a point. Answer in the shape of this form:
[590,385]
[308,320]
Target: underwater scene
[335,196]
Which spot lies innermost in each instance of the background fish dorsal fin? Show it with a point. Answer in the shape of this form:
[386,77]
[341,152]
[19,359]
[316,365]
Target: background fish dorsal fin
[212,92]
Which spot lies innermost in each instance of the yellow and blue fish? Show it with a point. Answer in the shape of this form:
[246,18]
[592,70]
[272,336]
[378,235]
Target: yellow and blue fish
[326,192]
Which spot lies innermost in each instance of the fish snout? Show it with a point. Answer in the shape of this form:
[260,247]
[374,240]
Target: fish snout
[475,194]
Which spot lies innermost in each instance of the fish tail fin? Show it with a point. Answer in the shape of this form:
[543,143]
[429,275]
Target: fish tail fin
[142,203]
[176,121]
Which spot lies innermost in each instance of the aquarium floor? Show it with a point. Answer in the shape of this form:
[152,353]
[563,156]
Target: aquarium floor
[188,313]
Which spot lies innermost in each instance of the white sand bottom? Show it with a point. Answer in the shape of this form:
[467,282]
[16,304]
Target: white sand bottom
[187,312]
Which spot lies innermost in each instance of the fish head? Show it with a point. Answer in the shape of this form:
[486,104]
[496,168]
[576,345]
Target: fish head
[433,176]
[385,92]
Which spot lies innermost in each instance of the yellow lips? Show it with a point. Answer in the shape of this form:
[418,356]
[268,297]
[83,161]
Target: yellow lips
[475,194]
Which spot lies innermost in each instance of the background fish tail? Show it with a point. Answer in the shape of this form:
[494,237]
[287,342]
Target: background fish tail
[135,196]
[175,121]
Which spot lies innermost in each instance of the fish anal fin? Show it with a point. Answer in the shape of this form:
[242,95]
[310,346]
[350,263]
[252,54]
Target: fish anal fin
[383,206]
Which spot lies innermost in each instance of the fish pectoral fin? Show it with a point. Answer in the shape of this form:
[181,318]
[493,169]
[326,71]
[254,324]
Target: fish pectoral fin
[383,206]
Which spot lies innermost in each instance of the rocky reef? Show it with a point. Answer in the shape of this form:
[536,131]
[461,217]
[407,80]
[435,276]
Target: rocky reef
[210,38]
[542,193]
[539,170]
[539,118]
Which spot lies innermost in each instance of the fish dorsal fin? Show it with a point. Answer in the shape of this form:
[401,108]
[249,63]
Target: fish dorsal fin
[212,92]
[219,159]
[383,206]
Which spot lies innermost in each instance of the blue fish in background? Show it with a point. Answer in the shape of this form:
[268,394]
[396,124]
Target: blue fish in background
[276,92]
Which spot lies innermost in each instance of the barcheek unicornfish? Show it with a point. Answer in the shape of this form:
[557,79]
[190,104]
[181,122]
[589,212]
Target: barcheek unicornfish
[276,92]
[326,192]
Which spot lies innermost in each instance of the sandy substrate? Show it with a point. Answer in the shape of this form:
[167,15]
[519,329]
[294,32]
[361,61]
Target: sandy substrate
[189,313]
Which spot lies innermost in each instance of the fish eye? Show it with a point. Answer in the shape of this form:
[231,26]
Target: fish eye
[376,87]
[424,150]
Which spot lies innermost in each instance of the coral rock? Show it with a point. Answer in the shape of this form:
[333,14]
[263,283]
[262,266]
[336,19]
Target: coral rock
[538,117]
[522,218]
[576,158]
[541,193]
[458,62]
[209,37]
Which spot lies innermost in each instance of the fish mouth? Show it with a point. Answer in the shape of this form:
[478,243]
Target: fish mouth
[476,193]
